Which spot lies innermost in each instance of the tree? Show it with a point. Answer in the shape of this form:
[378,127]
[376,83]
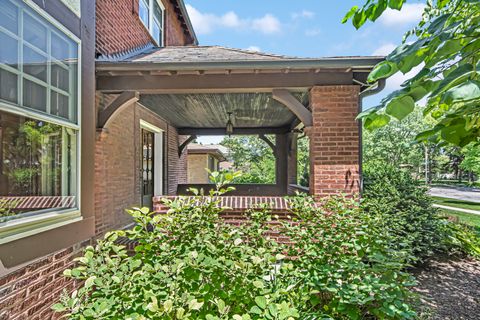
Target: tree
[395,143]
[446,45]
[471,161]
[253,157]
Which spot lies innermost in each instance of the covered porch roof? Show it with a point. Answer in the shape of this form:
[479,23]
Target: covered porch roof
[195,87]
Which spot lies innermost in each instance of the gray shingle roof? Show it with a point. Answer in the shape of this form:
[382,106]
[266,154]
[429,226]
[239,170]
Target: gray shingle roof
[222,58]
[201,54]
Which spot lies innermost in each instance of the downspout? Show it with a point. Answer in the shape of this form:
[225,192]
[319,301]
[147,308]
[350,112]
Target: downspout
[371,90]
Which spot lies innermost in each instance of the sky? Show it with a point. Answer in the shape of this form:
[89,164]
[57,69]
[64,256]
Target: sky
[302,28]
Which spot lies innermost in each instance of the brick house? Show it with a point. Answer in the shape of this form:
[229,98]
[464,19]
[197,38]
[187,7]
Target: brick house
[98,101]
[201,157]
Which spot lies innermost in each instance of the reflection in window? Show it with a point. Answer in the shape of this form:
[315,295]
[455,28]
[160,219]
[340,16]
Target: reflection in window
[43,57]
[38,114]
[151,14]
[37,166]
[144,12]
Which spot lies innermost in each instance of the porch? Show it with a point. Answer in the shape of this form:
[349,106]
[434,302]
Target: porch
[220,91]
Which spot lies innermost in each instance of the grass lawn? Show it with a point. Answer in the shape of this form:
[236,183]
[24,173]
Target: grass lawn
[467,218]
[457,203]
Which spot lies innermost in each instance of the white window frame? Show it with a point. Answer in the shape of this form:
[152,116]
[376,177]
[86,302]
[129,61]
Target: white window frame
[151,20]
[158,161]
[15,229]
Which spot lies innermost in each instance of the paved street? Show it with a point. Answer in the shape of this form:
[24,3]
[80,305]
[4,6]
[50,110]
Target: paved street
[460,193]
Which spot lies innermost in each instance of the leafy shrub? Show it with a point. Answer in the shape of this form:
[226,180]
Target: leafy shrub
[343,266]
[405,210]
[189,264]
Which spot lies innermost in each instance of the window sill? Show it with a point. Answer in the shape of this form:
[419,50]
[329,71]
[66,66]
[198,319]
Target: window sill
[20,228]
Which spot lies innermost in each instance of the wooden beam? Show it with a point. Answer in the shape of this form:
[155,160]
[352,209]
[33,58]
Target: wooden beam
[185,144]
[124,99]
[285,97]
[224,82]
[270,143]
[236,131]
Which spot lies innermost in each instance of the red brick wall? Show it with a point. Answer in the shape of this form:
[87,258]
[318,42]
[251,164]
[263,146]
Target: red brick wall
[177,166]
[174,32]
[119,28]
[117,176]
[334,140]
[29,292]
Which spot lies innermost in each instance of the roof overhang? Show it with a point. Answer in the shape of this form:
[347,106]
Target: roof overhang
[355,64]
[194,88]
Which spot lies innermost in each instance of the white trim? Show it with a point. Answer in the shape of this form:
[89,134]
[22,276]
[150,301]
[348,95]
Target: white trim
[150,127]
[151,19]
[157,156]
[23,227]
[28,226]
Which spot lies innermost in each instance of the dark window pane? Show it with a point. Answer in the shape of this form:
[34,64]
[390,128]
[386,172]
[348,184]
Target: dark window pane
[34,95]
[34,32]
[8,86]
[9,50]
[157,33]
[60,77]
[157,12]
[9,16]
[35,168]
[59,105]
[34,63]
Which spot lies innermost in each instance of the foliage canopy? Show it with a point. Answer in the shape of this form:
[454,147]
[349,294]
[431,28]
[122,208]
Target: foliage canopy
[445,49]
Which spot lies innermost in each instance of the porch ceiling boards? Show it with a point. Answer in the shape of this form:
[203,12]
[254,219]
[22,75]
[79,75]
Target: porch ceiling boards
[249,110]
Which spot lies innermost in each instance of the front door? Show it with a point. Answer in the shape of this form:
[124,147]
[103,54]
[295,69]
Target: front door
[147,171]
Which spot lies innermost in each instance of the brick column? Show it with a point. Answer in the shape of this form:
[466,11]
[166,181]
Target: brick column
[334,140]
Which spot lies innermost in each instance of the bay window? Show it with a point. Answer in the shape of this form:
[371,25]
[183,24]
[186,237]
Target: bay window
[151,13]
[39,128]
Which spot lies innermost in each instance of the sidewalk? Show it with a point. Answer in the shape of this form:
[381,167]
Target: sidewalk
[459,193]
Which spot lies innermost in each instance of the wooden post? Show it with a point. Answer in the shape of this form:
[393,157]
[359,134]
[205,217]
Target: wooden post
[281,162]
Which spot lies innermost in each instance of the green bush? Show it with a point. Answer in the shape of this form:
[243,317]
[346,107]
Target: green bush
[189,264]
[343,267]
[405,211]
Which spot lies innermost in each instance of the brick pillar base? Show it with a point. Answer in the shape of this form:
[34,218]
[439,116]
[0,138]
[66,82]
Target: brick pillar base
[334,140]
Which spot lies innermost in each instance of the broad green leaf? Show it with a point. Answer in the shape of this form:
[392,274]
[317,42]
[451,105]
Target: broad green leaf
[395,4]
[180,313]
[423,136]
[437,24]
[400,107]
[195,305]
[382,70]
[454,133]
[455,77]
[463,92]
[90,281]
[359,19]
[168,305]
[350,13]
[376,121]
[58,307]
[261,302]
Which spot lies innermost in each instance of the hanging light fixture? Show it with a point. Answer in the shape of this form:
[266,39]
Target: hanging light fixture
[229,126]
